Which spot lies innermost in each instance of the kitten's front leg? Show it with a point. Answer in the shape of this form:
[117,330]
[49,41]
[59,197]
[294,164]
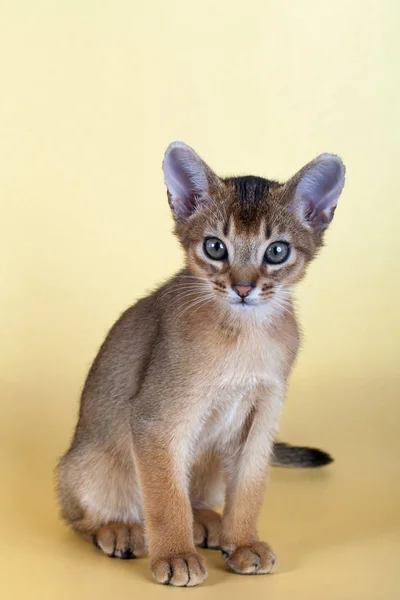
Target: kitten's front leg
[168,513]
[246,471]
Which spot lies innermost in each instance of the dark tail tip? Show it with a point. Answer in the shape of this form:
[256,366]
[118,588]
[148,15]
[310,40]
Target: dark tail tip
[319,458]
[285,455]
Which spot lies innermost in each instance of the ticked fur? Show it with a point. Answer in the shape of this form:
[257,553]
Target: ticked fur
[181,406]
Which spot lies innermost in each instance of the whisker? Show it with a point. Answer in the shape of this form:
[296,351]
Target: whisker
[191,295]
[284,308]
[191,304]
[204,303]
[198,296]
[282,302]
[183,287]
[186,286]
[191,277]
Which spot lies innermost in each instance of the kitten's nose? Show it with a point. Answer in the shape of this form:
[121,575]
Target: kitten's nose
[242,289]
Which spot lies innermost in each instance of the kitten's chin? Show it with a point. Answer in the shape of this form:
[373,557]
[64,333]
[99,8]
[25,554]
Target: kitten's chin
[244,306]
[257,311]
[254,310]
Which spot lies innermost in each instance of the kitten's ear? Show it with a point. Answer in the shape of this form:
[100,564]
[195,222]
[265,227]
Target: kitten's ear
[187,178]
[317,188]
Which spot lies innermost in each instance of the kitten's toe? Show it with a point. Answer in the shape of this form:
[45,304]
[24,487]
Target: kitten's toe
[207,529]
[256,559]
[186,570]
[121,540]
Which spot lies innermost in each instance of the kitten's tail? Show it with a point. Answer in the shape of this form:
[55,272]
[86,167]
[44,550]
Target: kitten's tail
[285,455]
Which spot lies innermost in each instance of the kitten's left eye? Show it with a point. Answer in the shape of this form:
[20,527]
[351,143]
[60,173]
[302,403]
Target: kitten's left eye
[277,253]
[215,249]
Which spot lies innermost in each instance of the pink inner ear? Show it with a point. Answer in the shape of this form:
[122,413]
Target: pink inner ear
[319,189]
[179,183]
[185,177]
[182,208]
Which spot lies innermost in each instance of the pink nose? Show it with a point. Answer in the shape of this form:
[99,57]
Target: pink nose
[242,289]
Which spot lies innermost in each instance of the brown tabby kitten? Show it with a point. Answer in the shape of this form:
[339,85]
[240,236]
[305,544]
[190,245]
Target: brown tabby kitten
[181,406]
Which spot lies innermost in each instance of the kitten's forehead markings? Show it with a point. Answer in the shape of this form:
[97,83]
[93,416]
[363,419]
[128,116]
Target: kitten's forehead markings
[269,233]
[232,228]
[247,245]
[264,231]
[227,226]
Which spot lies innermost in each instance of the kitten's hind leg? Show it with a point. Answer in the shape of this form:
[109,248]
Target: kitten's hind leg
[207,529]
[121,540]
[100,499]
[117,540]
[206,493]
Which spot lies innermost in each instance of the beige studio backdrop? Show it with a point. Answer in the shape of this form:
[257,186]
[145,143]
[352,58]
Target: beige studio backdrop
[92,92]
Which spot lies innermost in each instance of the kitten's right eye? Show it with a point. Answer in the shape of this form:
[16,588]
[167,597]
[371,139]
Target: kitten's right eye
[215,249]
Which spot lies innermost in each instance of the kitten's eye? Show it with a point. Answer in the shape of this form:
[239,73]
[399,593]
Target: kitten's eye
[215,249]
[277,253]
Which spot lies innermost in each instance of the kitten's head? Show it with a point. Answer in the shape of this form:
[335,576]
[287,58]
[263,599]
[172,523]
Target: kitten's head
[247,238]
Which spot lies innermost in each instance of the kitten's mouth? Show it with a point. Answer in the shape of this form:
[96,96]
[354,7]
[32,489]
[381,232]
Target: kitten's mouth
[244,303]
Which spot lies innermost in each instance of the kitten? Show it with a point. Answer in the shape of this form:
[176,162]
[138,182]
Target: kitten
[181,406]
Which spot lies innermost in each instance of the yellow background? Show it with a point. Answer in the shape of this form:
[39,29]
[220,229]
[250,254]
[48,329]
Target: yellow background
[92,92]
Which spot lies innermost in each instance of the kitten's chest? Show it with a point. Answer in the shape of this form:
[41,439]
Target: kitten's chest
[237,380]
[253,360]
[228,410]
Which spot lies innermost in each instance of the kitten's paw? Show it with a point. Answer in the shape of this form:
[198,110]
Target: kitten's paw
[207,529]
[185,570]
[256,559]
[121,540]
